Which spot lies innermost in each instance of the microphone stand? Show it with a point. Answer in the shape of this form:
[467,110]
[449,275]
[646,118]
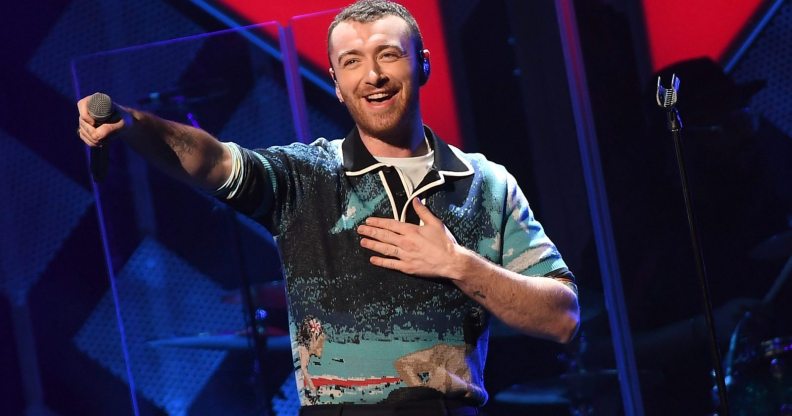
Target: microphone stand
[255,317]
[667,99]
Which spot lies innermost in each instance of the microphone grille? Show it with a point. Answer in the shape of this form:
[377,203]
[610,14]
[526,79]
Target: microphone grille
[100,107]
[670,98]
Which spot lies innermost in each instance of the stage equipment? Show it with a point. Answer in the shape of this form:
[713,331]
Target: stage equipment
[579,393]
[758,372]
[759,369]
[277,340]
[667,99]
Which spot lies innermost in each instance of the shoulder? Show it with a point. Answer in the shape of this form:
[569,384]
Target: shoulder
[320,152]
[484,168]
[297,149]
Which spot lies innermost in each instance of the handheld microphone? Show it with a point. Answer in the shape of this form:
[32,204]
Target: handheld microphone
[100,108]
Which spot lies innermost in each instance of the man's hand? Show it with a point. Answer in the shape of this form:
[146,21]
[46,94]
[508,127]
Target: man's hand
[95,136]
[427,250]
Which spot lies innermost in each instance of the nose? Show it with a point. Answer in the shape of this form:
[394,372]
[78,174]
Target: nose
[375,76]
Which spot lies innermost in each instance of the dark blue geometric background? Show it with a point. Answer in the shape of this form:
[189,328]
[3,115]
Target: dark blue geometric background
[161,297]
[772,49]
[31,236]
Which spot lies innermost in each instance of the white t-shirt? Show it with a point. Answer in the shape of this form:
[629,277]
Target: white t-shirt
[412,169]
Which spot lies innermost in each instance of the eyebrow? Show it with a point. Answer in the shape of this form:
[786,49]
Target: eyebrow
[345,53]
[378,49]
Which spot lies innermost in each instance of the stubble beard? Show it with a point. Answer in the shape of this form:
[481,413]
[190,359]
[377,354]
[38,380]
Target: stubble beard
[392,126]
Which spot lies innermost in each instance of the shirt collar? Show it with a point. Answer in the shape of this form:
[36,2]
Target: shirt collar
[358,160]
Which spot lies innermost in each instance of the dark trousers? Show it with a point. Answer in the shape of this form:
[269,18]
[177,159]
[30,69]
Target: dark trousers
[434,407]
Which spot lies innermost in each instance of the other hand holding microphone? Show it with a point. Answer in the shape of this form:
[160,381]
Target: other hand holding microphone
[98,120]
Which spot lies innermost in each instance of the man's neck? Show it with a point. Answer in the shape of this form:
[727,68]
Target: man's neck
[411,143]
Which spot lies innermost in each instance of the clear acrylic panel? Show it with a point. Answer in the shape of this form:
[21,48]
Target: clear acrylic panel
[326,117]
[173,324]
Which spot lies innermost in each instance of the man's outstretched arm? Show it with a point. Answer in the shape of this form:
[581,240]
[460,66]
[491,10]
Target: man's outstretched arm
[189,154]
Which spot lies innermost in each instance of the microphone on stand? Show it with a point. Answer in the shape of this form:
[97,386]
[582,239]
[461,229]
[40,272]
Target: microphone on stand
[667,97]
[667,100]
[101,109]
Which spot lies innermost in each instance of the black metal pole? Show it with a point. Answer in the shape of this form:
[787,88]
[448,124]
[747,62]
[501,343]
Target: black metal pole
[675,127]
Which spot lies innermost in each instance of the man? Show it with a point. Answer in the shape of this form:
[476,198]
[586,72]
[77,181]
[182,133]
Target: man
[396,245]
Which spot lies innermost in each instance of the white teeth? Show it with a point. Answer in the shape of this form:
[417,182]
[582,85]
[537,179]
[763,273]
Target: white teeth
[378,96]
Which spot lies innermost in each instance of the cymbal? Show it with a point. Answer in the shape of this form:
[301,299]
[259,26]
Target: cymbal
[269,295]
[237,341]
[777,246]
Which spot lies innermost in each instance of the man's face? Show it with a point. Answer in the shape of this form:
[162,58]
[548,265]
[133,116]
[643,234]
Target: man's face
[375,66]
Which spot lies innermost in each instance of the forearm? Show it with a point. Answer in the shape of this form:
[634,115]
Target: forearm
[187,153]
[538,306]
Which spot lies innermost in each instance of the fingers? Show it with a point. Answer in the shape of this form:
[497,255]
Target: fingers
[89,134]
[86,133]
[390,225]
[93,136]
[393,264]
[85,124]
[385,249]
[401,227]
[96,136]
[381,234]
[423,212]
[82,108]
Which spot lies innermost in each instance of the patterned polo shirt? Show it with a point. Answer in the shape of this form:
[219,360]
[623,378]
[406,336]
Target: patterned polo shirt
[364,334]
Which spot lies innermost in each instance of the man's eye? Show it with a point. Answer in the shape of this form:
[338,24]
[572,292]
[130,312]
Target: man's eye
[350,61]
[390,55]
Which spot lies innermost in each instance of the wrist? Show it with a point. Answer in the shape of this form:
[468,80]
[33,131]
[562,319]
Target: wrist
[460,263]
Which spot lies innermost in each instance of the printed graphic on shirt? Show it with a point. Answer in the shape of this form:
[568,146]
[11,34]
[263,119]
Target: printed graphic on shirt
[332,372]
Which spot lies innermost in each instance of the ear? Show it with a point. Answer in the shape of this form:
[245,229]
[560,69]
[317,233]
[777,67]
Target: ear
[332,75]
[335,82]
[424,67]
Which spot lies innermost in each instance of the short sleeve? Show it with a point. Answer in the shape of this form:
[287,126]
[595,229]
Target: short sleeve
[271,183]
[526,248]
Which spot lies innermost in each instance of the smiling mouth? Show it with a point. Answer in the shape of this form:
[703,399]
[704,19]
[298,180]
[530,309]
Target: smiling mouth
[379,97]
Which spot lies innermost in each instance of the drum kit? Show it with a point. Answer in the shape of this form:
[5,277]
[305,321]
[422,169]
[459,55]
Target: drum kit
[579,391]
[759,369]
[575,393]
[759,378]
[269,299]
